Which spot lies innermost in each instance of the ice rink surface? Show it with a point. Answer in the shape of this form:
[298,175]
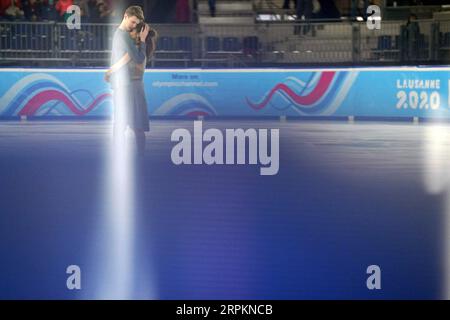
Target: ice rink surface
[347,196]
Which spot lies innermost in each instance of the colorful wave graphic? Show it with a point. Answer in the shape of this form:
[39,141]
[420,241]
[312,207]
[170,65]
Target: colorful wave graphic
[321,94]
[187,104]
[32,95]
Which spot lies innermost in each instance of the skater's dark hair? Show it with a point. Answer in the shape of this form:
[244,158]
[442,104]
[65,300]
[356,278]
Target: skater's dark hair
[148,42]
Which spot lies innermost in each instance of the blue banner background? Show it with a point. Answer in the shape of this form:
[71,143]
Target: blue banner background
[376,92]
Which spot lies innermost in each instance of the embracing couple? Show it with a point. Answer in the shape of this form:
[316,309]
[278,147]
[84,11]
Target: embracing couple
[134,42]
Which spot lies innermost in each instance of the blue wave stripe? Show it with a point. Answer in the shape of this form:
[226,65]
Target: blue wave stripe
[190,105]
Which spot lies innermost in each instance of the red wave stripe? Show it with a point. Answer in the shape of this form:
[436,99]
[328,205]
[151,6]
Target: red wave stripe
[324,82]
[40,99]
[197,113]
